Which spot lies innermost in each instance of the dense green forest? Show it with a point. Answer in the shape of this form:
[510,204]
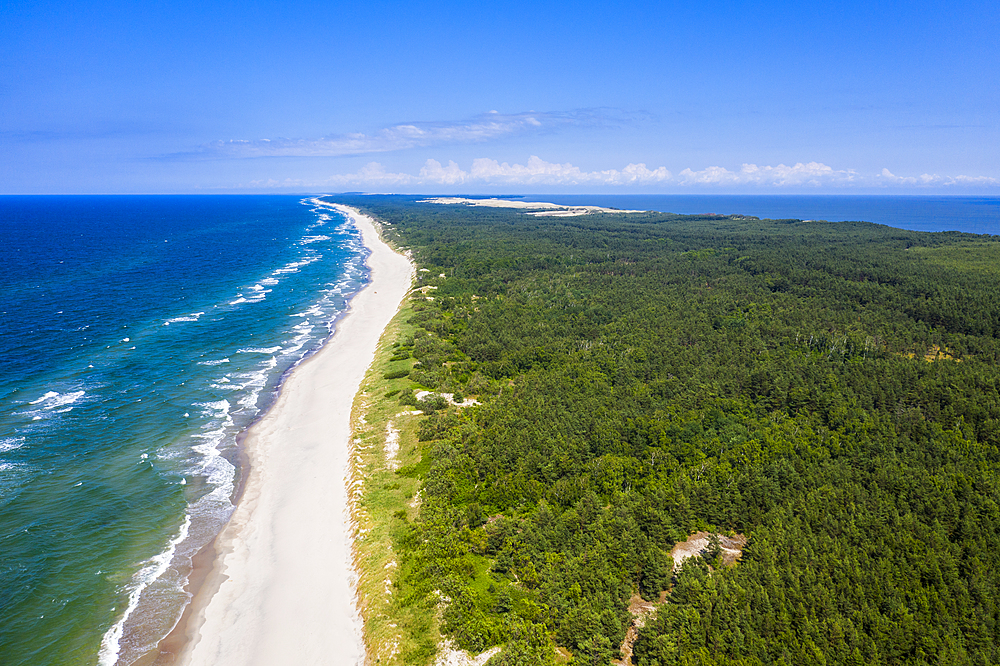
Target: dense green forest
[832,391]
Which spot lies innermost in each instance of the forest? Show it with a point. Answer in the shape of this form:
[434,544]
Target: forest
[829,390]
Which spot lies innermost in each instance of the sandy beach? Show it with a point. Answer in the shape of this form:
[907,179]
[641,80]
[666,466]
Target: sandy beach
[281,588]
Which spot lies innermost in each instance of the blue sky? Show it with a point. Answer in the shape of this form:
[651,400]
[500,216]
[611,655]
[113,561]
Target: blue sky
[708,97]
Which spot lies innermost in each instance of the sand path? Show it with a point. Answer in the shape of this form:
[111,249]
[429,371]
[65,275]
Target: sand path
[282,587]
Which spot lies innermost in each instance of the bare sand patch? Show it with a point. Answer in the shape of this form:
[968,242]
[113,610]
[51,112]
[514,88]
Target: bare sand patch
[698,543]
[541,208]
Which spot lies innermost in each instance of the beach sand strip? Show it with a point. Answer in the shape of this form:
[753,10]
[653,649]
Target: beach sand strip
[281,589]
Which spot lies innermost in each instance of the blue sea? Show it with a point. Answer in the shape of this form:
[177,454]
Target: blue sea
[971,214]
[141,335]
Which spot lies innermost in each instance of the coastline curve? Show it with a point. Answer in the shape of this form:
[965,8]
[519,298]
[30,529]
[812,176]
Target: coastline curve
[281,586]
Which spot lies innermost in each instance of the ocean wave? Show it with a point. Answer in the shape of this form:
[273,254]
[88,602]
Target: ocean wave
[255,293]
[259,294]
[258,350]
[54,400]
[219,362]
[191,317]
[11,444]
[314,311]
[217,408]
[151,570]
[294,266]
[225,384]
[313,239]
[212,466]
[256,380]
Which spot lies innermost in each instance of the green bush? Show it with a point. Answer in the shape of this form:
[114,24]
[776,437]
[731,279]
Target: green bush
[406,397]
[432,403]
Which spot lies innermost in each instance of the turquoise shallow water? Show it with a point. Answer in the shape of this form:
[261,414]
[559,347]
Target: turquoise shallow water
[138,337]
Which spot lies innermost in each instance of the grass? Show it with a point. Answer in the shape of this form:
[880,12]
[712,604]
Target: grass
[385,496]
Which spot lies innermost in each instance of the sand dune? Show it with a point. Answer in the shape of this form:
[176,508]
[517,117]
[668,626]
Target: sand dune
[536,208]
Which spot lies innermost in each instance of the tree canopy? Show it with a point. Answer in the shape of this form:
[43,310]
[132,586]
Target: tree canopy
[831,390]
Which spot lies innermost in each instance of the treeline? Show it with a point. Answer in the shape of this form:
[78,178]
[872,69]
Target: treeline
[645,377]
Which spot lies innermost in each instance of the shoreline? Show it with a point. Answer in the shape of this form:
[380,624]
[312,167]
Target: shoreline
[277,585]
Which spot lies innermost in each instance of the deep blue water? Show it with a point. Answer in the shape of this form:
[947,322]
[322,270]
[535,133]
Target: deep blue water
[138,337]
[977,215]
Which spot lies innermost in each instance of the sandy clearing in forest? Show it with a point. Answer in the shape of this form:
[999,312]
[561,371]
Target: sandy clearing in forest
[697,543]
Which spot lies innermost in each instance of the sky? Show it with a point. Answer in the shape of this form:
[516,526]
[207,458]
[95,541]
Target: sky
[500,97]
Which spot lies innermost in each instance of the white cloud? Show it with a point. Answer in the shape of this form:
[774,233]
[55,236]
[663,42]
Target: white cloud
[811,174]
[539,172]
[433,172]
[489,172]
[485,127]
[931,180]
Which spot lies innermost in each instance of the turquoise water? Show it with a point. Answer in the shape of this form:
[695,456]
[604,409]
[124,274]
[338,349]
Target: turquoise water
[138,337]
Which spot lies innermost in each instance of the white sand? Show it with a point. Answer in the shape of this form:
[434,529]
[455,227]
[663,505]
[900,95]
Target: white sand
[283,580]
[543,208]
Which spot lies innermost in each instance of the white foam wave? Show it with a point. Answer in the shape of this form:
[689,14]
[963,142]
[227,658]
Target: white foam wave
[314,311]
[255,293]
[220,407]
[217,471]
[269,282]
[151,570]
[219,362]
[11,444]
[191,317]
[259,350]
[53,399]
[296,265]
[314,239]
[255,383]
[259,294]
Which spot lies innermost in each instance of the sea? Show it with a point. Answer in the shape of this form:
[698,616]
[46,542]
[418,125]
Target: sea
[970,214]
[141,335]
